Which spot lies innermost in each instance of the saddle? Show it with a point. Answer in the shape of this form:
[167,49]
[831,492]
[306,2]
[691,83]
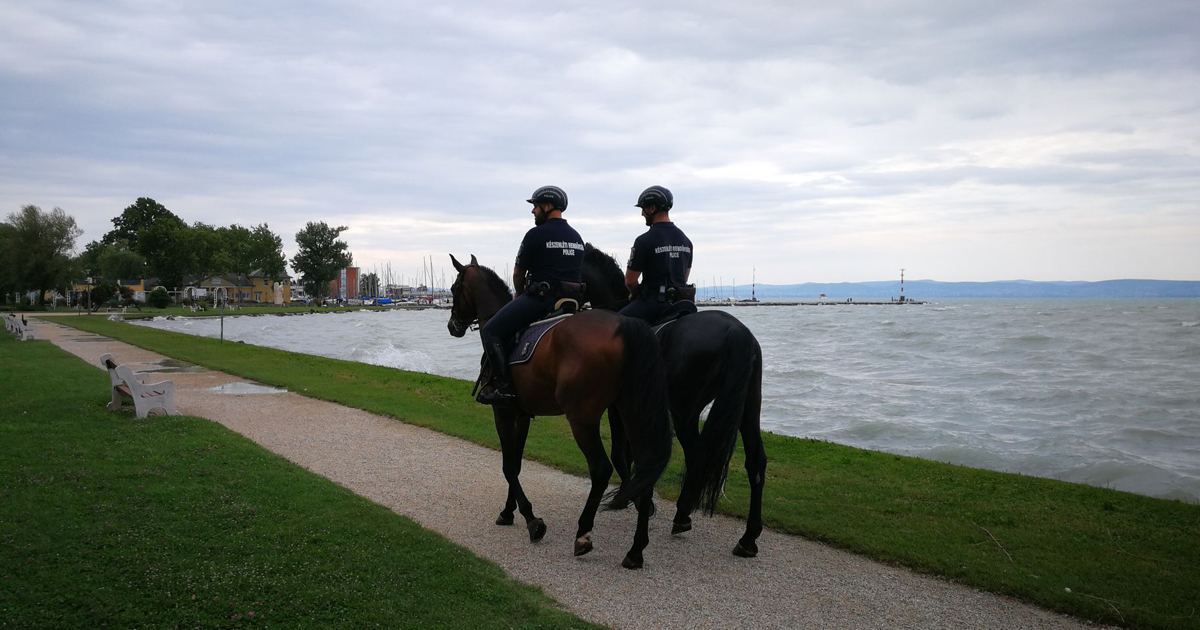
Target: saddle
[527,340]
[678,309]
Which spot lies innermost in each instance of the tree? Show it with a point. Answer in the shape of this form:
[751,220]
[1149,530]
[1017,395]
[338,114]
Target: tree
[9,283]
[39,249]
[320,256]
[88,262]
[100,294]
[117,261]
[235,242]
[368,285]
[166,244]
[142,215]
[267,251]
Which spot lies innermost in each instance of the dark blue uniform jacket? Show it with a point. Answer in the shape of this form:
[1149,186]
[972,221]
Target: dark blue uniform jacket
[552,252]
[663,255]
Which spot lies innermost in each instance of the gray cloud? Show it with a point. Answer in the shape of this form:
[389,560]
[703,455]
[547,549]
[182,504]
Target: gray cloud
[812,141]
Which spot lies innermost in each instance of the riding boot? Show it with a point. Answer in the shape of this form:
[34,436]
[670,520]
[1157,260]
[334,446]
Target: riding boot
[501,392]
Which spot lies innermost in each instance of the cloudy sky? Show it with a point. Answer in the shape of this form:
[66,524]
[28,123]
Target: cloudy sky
[813,141]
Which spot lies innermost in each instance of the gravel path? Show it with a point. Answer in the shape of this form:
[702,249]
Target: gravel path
[455,488]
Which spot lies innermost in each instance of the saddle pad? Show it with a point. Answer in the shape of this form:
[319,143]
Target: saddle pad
[527,340]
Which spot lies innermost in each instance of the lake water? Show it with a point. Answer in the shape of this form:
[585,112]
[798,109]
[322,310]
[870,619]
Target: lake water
[1104,392]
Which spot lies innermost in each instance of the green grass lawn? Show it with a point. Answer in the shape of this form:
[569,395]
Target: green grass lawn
[111,521]
[1104,555]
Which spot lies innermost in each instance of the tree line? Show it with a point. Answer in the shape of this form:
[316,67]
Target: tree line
[37,251]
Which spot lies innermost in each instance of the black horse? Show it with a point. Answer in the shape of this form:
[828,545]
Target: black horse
[711,357]
[588,363]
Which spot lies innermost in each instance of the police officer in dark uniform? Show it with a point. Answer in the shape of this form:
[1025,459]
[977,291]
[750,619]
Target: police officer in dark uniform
[662,257]
[549,266]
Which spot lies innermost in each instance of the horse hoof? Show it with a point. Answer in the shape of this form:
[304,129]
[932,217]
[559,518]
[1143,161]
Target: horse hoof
[504,519]
[583,544]
[537,529]
[745,550]
[679,528]
[631,563]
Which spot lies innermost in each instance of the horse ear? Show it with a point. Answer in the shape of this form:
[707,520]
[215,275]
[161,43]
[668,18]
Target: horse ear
[457,265]
[473,261]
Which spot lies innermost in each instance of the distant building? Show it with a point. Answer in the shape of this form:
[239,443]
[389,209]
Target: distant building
[253,288]
[345,285]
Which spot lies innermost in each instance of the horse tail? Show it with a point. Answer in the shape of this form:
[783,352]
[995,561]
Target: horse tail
[642,405]
[740,365]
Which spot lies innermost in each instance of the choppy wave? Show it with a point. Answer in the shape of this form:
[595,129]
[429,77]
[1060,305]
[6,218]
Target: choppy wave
[1098,392]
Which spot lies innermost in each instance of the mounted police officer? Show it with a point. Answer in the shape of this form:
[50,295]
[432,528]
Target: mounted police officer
[662,257]
[549,267]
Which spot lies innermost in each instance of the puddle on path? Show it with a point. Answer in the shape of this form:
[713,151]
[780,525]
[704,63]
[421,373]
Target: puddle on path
[238,389]
[173,366]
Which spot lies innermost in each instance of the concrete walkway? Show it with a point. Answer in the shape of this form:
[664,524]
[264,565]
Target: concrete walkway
[456,489]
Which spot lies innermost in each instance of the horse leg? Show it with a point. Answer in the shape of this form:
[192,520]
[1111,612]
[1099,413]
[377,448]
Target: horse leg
[587,436]
[620,446]
[687,430]
[641,538]
[756,469]
[513,431]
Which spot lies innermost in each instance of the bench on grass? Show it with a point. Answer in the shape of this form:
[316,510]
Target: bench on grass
[8,323]
[23,330]
[149,399]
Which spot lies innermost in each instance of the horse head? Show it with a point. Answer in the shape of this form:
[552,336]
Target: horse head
[478,293]
[604,279]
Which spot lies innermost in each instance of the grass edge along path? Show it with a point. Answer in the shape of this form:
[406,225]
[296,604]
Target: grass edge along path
[107,520]
[1100,554]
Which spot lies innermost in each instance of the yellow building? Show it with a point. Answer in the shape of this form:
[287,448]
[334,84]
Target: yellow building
[139,287]
[252,288]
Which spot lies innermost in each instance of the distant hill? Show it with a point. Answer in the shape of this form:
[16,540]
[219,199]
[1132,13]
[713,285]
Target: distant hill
[932,289]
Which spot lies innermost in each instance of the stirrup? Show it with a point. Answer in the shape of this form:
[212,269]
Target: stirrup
[496,396]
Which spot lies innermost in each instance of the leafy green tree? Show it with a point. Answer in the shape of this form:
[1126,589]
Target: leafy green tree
[210,254]
[166,245]
[100,294]
[117,261]
[9,283]
[236,245]
[88,262]
[267,251]
[319,256]
[142,215]
[40,245]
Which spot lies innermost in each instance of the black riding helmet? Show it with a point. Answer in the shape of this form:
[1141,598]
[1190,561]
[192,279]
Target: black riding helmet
[656,196]
[550,194]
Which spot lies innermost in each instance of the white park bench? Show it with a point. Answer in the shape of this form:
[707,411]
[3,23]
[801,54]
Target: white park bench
[149,399]
[24,332]
[8,323]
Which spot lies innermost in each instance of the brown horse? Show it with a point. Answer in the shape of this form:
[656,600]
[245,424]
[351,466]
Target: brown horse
[589,362]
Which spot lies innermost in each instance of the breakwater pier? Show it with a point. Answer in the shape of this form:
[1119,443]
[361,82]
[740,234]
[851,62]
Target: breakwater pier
[719,303]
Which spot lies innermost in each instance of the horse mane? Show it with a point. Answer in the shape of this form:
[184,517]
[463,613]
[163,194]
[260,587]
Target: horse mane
[606,266]
[494,282]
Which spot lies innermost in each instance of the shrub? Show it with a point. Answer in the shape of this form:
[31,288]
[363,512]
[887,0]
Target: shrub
[159,298]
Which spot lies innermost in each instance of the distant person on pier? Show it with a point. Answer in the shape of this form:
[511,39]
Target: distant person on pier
[549,267]
[661,258]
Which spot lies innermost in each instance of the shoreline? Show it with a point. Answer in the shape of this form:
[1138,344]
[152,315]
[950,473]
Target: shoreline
[921,514]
